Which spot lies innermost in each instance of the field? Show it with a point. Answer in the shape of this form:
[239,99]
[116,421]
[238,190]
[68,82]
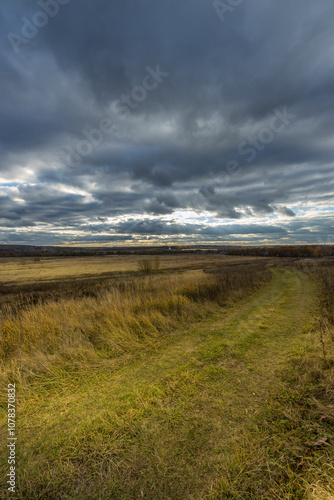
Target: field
[27,280]
[184,377]
[29,270]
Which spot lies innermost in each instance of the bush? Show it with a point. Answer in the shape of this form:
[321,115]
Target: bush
[156,263]
[145,266]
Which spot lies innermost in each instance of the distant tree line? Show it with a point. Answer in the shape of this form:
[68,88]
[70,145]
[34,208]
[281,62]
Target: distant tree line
[313,251]
[296,251]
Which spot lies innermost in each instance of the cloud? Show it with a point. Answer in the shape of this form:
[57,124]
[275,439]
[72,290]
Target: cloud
[204,140]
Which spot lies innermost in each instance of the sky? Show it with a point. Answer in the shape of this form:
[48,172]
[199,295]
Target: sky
[148,122]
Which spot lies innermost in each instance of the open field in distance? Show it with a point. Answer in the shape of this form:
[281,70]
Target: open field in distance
[28,280]
[29,270]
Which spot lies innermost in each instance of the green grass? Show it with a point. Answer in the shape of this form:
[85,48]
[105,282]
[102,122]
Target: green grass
[227,408]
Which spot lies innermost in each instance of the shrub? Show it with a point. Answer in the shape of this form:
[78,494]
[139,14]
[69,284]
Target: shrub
[156,263]
[145,266]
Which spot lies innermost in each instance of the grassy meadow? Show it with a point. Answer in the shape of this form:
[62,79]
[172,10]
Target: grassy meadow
[25,270]
[178,377]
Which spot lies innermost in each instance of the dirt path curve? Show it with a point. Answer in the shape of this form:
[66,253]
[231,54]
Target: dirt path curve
[164,426]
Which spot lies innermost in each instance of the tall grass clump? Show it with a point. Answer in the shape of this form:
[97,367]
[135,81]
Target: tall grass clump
[325,275]
[145,266]
[125,318]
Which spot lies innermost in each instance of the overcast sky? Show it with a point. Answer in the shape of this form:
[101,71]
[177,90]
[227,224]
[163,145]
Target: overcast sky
[166,121]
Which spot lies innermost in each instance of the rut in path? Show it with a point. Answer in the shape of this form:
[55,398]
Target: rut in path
[164,425]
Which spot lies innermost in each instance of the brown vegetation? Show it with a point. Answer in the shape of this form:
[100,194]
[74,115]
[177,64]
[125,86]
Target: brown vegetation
[106,325]
[118,319]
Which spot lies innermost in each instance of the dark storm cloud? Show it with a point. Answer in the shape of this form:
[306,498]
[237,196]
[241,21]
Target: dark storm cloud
[193,102]
[156,227]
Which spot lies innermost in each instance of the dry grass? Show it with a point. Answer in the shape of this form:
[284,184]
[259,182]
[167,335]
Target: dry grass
[121,319]
[282,458]
[279,458]
[274,458]
[28,270]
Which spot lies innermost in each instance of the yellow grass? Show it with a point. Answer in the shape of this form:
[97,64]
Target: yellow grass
[149,385]
[28,270]
[120,319]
